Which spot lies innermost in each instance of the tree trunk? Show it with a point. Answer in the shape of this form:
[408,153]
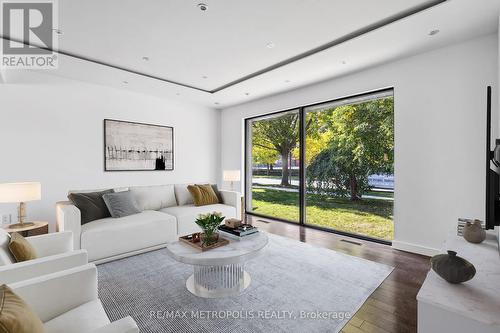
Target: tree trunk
[284,169]
[268,166]
[353,186]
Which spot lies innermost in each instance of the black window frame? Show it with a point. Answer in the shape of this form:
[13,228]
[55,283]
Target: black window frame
[302,170]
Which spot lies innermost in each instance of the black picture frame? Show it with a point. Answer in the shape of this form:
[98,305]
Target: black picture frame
[169,165]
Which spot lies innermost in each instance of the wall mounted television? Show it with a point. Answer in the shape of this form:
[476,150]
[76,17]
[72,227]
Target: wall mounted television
[492,216]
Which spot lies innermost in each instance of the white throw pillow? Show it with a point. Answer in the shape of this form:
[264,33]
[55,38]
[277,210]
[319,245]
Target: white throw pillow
[154,197]
[183,196]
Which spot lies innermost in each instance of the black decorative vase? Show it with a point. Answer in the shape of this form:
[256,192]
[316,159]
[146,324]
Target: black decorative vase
[452,268]
[474,232]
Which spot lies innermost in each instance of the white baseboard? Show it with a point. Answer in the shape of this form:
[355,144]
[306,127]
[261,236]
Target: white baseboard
[414,248]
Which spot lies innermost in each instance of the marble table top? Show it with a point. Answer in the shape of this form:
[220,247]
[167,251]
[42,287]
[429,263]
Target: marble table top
[237,251]
[478,298]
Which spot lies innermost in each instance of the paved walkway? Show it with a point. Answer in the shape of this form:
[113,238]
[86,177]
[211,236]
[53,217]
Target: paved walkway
[284,189]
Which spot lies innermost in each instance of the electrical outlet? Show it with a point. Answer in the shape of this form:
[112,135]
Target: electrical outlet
[6,218]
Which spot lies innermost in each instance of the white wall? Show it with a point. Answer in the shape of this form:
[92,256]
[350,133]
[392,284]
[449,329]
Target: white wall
[53,133]
[440,114]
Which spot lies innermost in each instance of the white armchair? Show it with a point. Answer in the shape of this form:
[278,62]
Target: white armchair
[55,253]
[69,219]
[67,301]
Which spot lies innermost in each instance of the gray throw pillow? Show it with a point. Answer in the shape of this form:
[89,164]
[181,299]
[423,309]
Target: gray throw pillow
[91,205]
[121,204]
[217,193]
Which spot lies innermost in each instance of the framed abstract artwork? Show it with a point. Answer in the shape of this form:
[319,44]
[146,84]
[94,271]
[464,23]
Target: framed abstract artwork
[130,146]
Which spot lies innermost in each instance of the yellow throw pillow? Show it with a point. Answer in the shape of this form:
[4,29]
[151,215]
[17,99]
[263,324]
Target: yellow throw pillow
[15,315]
[203,195]
[20,248]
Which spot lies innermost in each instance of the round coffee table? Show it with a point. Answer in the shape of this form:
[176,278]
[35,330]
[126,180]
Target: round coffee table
[219,272]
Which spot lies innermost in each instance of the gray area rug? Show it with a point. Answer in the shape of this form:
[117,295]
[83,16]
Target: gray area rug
[295,287]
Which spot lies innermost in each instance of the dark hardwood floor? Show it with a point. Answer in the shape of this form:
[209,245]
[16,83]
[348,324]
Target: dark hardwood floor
[393,306]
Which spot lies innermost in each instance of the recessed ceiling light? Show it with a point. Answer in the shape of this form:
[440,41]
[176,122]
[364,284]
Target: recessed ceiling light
[125,82]
[270,45]
[433,32]
[145,58]
[58,31]
[202,7]
[204,77]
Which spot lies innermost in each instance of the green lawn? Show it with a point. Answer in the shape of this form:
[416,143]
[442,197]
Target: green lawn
[381,194]
[366,217]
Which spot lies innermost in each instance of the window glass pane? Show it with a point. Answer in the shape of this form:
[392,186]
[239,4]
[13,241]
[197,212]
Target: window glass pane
[349,165]
[273,166]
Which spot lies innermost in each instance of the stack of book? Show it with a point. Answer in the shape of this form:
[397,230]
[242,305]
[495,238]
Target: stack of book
[462,222]
[240,231]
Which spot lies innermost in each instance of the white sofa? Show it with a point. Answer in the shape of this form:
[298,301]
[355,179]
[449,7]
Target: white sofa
[55,253]
[167,213]
[67,301]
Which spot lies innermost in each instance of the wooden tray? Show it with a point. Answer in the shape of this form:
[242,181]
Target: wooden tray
[198,245]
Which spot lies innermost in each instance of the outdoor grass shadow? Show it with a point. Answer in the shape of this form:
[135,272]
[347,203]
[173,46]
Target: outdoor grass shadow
[367,217]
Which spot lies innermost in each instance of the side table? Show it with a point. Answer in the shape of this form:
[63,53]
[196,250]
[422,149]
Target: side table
[39,228]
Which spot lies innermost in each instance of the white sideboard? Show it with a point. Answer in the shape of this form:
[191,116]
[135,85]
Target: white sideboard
[473,306]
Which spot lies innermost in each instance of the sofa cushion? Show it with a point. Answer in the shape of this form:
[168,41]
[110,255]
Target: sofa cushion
[154,197]
[6,257]
[21,249]
[121,204]
[91,205]
[84,318]
[185,198]
[217,193]
[116,189]
[186,215]
[15,315]
[110,237]
[182,195]
[203,195]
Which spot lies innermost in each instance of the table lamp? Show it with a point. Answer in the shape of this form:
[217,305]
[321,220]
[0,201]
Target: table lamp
[231,176]
[20,193]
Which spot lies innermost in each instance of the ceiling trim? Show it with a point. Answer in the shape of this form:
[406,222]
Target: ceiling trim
[95,61]
[338,41]
[377,25]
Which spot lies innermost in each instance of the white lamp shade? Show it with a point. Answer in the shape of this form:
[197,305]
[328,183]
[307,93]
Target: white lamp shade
[20,192]
[231,175]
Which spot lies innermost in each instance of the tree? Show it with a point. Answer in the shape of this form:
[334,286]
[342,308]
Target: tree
[315,143]
[280,134]
[362,143]
[265,156]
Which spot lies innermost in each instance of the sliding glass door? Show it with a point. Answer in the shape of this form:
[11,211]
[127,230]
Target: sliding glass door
[272,175]
[349,165]
[328,165]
